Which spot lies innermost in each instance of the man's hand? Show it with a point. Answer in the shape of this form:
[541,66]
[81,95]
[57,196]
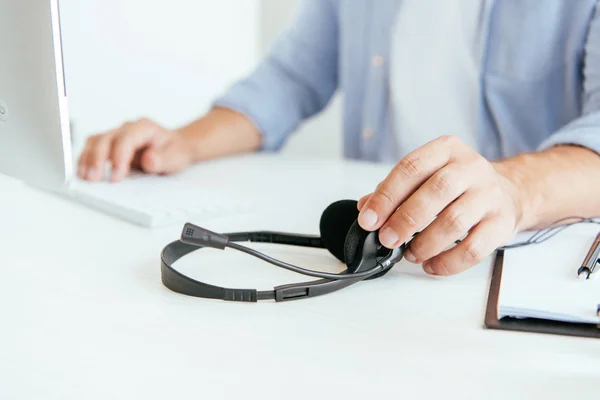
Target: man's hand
[450,184]
[156,150]
[142,144]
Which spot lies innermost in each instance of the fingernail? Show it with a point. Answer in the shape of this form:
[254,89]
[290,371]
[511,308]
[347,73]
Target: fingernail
[388,237]
[117,175]
[367,219]
[410,257]
[91,173]
[427,268]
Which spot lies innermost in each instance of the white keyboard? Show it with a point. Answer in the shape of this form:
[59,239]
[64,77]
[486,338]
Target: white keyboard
[156,201]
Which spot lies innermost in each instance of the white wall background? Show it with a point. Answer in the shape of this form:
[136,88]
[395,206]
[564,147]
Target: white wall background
[167,60]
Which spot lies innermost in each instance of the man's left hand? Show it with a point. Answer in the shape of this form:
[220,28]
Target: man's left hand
[445,191]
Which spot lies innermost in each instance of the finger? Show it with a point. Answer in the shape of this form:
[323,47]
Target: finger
[82,165]
[410,173]
[363,200]
[124,149]
[451,225]
[85,158]
[169,158]
[445,186]
[134,137]
[479,244]
[97,153]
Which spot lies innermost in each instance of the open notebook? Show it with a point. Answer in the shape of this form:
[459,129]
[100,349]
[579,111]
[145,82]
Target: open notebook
[540,281]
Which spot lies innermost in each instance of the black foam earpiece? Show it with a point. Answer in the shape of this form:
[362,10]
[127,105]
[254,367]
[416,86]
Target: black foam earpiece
[353,246]
[358,243]
[335,223]
[345,239]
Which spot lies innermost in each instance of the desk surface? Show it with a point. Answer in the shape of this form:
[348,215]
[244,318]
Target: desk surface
[85,316]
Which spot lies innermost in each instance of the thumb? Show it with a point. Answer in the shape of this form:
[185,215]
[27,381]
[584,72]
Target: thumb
[166,159]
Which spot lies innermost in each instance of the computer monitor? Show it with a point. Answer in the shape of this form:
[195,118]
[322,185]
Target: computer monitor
[35,143]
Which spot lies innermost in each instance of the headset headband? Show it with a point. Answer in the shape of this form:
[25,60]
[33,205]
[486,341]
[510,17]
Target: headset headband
[180,283]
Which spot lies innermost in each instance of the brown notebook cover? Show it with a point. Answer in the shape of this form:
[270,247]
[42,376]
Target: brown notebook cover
[528,324]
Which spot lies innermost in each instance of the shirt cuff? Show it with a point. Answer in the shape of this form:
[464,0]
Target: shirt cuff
[242,99]
[583,132]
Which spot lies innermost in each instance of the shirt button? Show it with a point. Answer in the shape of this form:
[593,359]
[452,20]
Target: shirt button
[377,61]
[368,133]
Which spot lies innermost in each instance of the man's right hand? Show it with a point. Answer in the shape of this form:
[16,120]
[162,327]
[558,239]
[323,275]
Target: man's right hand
[142,144]
[156,150]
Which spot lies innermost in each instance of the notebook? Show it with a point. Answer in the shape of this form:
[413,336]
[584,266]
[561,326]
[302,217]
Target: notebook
[536,288]
[540,281]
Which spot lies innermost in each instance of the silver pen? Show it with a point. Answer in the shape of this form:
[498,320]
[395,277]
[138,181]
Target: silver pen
[590,267]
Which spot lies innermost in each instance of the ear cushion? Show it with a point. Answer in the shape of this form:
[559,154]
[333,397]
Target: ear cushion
[355,238]
[335,223]
[353,249]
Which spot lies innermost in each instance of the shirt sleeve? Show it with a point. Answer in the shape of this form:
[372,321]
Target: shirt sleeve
[585,131]
[297,78]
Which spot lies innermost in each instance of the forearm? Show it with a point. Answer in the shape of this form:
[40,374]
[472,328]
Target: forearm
[556,183]
[221,132]
[296,79]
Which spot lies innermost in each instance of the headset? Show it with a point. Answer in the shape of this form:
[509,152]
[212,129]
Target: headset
[365,257]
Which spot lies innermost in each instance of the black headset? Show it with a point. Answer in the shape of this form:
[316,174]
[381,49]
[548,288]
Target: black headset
[365,257]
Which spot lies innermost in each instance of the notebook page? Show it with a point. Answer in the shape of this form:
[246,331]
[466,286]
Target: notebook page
[540,281]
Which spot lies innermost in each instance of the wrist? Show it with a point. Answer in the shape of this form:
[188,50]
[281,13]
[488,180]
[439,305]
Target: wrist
[192,143]
[553,184]
[522,189]
[196,134]
[221,132]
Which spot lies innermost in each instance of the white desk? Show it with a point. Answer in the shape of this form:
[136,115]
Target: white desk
[84,314]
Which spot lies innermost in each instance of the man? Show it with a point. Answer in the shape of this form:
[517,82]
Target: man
[492,108]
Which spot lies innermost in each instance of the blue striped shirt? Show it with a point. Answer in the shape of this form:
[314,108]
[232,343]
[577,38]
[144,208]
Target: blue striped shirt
[540,78]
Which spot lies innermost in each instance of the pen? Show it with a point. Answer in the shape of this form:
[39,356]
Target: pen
[590,265]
